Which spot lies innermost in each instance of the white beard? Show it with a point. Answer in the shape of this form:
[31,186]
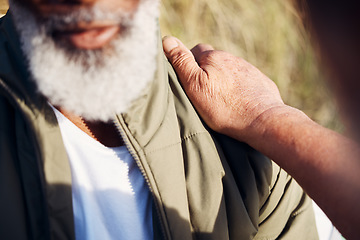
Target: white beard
[94,84]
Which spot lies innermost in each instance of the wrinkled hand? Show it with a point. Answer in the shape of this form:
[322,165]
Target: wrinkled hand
[228,92]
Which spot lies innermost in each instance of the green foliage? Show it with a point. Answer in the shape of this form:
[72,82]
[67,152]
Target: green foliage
[269,34]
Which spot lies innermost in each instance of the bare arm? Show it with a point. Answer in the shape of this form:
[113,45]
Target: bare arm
[236,99]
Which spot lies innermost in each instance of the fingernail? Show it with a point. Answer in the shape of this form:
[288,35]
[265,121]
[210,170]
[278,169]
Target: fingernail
[169,43]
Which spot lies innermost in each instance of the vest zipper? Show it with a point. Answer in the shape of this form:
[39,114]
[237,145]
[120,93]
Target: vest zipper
[120,125]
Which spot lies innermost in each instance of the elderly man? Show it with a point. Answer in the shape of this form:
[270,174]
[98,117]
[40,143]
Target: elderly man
[99,141]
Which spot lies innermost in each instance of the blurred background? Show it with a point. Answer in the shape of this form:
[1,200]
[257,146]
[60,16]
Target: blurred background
[3,7]
[269,34]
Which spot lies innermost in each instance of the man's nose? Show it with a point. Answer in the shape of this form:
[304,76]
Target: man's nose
[68,1]
[46,8]
[37,3]
[85,2]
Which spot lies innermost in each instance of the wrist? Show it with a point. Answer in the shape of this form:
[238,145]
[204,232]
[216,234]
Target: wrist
[272,123]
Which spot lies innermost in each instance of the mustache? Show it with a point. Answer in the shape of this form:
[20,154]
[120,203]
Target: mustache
[81,18]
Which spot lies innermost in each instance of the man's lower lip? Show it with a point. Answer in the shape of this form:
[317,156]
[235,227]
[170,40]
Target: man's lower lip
[92,38]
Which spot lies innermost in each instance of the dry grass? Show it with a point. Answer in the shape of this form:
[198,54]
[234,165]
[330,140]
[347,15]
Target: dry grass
[267,33]
[3,7]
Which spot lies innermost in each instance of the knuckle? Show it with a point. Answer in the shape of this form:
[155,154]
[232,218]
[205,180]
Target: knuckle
[216,57]
[209,57]
[203,47]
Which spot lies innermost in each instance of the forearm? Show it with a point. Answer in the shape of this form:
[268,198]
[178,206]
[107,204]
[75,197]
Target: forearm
[322,161]
[234,98]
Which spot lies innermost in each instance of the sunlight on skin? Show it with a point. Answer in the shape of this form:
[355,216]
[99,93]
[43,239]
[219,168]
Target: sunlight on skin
[83,35]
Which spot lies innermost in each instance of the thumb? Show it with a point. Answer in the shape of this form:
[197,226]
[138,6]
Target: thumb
[182,59]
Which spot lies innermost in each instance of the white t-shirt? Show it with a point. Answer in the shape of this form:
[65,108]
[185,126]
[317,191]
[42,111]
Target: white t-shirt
[111,199]
[326,229]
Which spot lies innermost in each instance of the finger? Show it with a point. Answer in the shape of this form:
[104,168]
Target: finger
[199,49]
[182,59]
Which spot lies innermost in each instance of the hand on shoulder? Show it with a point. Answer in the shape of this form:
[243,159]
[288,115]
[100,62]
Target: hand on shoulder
[228,92]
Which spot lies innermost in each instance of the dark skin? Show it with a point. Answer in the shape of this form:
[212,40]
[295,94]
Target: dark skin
[105,133]
[83,35]
[89,35]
